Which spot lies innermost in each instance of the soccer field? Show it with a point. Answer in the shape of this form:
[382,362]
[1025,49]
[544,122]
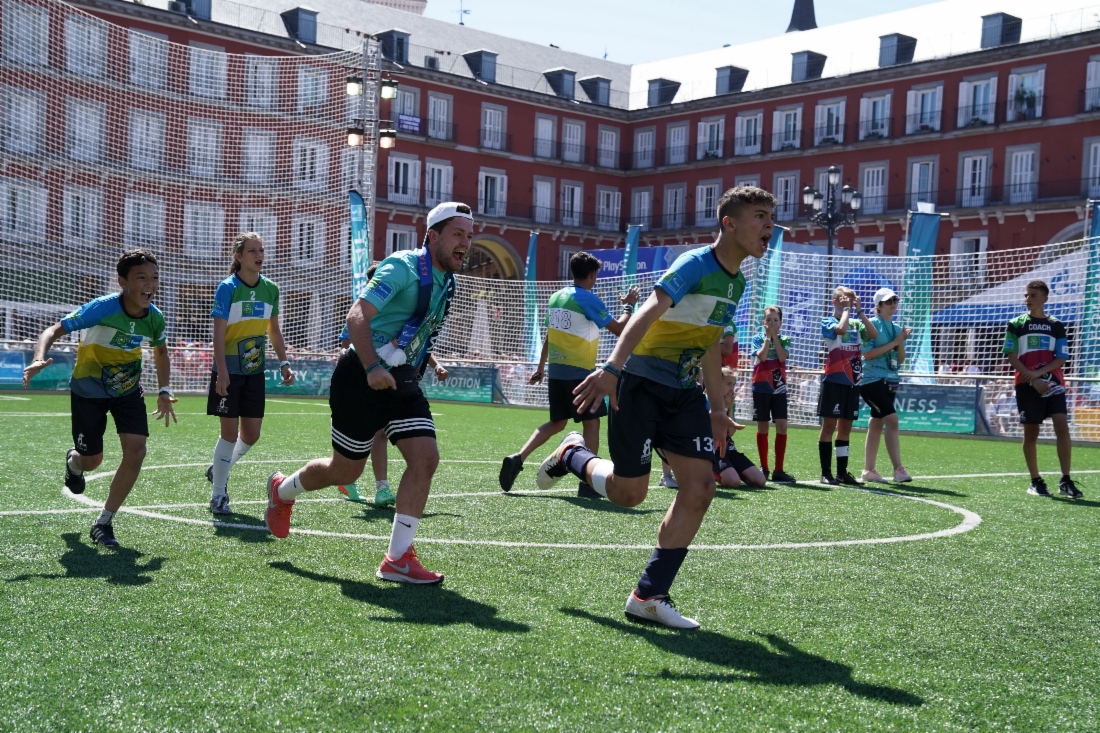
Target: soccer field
[957,602]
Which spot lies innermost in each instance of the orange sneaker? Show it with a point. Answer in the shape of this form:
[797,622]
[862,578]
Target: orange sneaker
[277,516]
[407,569]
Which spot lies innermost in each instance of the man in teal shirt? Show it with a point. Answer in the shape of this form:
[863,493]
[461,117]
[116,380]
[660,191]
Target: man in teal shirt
[375,386]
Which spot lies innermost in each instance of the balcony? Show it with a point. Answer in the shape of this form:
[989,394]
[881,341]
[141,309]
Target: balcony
[746,145]
[1090,99]
[876,129]
[1023,106]
[923,123]
[568,152]
[827,135]
[495,140]
[437,129]
[976,116]
[786,140]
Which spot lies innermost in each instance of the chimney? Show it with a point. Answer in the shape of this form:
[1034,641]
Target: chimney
[802,19]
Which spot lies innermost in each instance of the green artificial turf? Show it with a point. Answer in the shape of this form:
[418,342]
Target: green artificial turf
[197,627]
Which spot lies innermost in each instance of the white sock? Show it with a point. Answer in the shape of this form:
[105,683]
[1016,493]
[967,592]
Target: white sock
[401,538]
[104,517]
[239,449]
[601,469]
[291,487]
[223,454]
[381,484]
[72,466]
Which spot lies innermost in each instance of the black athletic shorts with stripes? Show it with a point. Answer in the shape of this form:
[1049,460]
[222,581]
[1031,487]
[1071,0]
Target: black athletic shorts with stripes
[358,412]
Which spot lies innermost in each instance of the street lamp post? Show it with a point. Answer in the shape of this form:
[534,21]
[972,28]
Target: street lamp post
[829,213]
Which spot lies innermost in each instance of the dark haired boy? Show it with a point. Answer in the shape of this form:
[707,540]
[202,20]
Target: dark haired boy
[1037,348]
[107,380]
[574,317]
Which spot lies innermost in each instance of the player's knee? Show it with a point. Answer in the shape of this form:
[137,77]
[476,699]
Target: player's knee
[250,437]
[346,473]
[629,492]
[90,463]
[134,452]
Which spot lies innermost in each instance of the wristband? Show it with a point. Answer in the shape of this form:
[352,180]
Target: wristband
[375,365]
[166,390]
[438,368]
[611,369]
[628,308]
[284,363]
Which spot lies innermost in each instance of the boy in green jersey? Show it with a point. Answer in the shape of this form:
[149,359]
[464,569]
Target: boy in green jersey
[107,380]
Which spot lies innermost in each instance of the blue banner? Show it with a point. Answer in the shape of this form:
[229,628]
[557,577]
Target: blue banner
[360,244]
[648,259]
[530,297]
[916,294]
[764,286]
[1090,333]
[936,408]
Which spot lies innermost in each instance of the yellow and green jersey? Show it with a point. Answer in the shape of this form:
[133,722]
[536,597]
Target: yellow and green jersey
[574,317]
[108,359]
[704,300]
[247,309]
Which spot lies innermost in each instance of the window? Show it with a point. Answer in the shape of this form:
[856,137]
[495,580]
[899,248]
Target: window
[712,139]
[261,221]
[438,182]
[968,259]
[1022,179]
[399,238]
[404,179]
[203,229]
[608,150]
[544,201]
[22,209]
[82,218]
[922,183]
[22,120]
[748,133]
[641,207]
[207,71]
[870,246]
[1025,95]
[787,196]
[84,129]
[608,204]
[492,193]
[148,59]
[644,142]
[572,141]
[753,181]
[1092,85]
[492,127]
[674,206]
[544,137]
[26,34]
[143,220]
[146,139]
[1093,170]
[439,117]
[873,190]
[787,129]
[974,180]
[874,116]
[312,88]
[204,147]
[572,202]
[923,110]
[85,46]
[677,144]
[564,255]
[977,102]
[307,239]
[257,155]
[261,81]
[829,123]
[406,111]
[706,203]
[310,164]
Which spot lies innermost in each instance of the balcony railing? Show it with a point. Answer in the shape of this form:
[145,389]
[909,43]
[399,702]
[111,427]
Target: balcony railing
[746,145]
[1023,107]
[439,130]
[976,115]
[876,129]
[581,154]
[495,140]
[829,135]
[923,123]
[1090,99]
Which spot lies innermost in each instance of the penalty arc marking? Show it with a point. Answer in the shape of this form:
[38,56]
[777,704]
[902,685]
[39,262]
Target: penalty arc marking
[970,520]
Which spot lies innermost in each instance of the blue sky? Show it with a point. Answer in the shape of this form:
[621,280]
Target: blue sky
[637,31]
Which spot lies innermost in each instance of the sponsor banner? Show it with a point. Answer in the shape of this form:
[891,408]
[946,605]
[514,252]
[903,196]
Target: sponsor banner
[463,384]
[55,376]
[408,123]
[938,408]
[312,377]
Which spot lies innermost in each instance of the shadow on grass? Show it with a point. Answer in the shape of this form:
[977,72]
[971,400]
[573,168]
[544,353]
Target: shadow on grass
[813,486]
[418,604]
[117,566]
[243,528]
[596,505]
[776,663]
[916,489]
[1077,502]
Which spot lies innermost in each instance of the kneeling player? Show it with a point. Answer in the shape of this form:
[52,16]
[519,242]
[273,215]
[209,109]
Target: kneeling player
[734,468]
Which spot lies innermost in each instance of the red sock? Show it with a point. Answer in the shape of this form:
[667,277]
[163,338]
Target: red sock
[762,449]
[780,450]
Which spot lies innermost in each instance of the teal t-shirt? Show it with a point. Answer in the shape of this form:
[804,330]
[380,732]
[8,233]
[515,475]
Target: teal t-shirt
[886,365]
[394,291]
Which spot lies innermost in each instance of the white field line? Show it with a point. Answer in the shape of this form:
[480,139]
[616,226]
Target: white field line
[13,397]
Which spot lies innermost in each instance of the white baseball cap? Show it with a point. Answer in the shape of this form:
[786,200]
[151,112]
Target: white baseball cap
[446,210]
[884,294]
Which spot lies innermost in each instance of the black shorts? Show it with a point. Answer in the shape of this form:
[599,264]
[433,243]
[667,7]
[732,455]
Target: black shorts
[879,396]
[561,402]
[1034,408]
[358,412]
[767,406]
[652,416]
[838,401]
[246,396]
[90,419]
[734,459]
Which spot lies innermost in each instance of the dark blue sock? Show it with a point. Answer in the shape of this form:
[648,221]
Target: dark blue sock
[576,458]
[661,571]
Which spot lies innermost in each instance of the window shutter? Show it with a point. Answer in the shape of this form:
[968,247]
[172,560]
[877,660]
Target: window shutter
[414,181]
[1010,106]
[1092,86]
[910,111]
[391,165]
[502,195]
[1039,93]
[616,207]
[966,103]
[840,121]
[481,192]
[992,100]
[701,141]
[777,130]
[798,128]
[819,122]
[739,135]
